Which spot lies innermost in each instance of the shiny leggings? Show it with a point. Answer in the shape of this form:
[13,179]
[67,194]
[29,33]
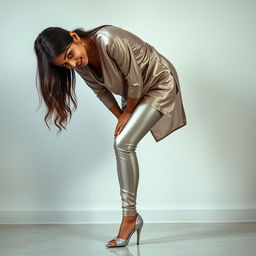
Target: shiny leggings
[141,121]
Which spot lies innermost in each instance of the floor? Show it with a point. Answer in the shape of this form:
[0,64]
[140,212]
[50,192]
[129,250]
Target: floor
[156,239]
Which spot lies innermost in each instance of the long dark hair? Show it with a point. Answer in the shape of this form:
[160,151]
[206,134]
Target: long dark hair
[56,84]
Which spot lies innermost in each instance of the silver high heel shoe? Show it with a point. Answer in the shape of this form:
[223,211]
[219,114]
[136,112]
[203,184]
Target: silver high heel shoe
[120,242]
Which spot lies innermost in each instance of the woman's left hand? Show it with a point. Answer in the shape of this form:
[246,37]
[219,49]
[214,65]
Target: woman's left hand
[122,120]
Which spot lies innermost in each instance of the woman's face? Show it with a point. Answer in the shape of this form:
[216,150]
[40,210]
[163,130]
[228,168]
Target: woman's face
[75,55]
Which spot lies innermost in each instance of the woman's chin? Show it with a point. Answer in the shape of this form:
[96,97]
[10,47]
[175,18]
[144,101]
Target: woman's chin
[83,64]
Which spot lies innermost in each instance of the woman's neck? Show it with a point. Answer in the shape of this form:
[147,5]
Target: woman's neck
[93,53]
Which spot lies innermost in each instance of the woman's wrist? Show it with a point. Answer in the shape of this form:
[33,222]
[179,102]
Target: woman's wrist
[115,109]
[131,104]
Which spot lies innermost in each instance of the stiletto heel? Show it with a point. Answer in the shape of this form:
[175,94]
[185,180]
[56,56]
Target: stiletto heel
[120,242]
[138,236]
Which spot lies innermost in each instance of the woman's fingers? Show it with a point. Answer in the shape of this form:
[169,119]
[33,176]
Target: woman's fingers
[122,120]
[119,128]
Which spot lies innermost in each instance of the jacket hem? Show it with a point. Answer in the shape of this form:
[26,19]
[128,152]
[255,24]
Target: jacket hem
[159,139]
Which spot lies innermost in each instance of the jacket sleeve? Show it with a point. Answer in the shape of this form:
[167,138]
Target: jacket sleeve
[104,95]
[121,52]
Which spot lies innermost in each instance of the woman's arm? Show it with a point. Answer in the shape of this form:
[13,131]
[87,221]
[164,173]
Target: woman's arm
[131,104]
[122,53]
[115,109]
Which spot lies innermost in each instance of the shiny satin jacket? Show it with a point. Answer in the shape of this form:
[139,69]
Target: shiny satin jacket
[132,67]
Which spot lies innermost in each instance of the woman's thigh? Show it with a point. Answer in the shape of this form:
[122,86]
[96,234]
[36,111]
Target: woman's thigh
[141,121]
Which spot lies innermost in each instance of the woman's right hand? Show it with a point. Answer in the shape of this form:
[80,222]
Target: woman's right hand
[122,120]
[120,114]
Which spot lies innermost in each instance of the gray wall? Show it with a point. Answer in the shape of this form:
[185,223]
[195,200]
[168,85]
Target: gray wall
[204,171]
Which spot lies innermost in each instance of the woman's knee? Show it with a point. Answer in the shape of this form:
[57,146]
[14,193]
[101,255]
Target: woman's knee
[124,144]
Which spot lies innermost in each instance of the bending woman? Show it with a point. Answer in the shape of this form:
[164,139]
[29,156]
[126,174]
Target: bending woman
[113,60]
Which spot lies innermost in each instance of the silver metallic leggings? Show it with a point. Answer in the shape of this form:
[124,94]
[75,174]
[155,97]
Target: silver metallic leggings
[141,121]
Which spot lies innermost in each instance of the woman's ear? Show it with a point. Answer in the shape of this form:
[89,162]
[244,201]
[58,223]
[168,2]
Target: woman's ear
[74,35]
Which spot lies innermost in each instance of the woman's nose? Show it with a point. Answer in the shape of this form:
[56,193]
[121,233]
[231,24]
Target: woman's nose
[72,63]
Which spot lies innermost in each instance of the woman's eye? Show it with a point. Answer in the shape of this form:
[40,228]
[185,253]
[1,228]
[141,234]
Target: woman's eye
[69,56]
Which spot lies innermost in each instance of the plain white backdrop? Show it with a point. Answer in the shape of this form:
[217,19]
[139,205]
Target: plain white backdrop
[204,171]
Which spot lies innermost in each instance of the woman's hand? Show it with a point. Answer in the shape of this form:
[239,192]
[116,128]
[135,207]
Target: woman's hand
[122,120]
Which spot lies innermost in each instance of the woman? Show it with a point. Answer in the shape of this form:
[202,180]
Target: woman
[113,60]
